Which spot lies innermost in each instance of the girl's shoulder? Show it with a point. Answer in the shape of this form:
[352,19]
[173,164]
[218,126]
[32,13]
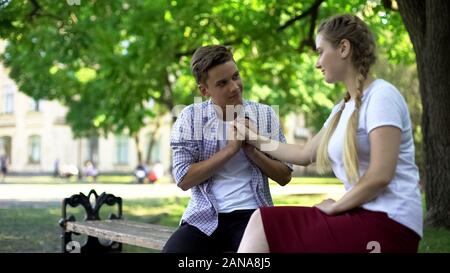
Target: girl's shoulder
[382,89]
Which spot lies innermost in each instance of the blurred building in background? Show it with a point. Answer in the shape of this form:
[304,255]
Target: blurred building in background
[36,139]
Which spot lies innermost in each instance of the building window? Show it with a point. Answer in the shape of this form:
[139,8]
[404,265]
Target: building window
[122,150]
[34,149]
[155,154]
[5,146]
[8,99]
[35,105]
[92,150]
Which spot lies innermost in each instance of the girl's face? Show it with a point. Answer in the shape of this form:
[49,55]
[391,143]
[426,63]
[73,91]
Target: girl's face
[332,61]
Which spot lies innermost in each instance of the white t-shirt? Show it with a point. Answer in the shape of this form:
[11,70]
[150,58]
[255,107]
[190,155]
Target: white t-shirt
[382,104]
[232,183]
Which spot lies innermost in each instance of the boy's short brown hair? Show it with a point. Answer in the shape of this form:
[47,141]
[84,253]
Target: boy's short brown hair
[207,57]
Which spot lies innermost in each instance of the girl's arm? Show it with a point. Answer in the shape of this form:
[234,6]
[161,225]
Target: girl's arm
[292,153]
[384,152]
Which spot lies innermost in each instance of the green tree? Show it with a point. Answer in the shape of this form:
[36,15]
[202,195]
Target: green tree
[105,59]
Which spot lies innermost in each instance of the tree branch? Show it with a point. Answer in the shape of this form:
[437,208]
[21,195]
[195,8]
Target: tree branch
[310,11]
[190,52]
[38,11]
[309,41]
[35,11]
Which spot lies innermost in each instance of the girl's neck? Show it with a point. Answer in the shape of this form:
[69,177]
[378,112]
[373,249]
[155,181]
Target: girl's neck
[352,84]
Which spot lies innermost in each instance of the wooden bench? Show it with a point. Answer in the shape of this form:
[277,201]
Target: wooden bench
[107,235]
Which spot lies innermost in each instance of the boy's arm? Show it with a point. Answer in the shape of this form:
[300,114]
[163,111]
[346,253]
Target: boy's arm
[274,169]
[201,171]
[188,171]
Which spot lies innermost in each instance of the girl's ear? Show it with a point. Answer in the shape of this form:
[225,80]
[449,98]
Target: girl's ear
[203,90]
[345,48]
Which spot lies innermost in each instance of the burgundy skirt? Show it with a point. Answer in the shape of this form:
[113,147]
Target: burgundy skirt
[307,229]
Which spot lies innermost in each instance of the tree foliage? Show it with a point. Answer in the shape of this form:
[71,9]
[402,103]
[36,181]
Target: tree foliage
[106,59]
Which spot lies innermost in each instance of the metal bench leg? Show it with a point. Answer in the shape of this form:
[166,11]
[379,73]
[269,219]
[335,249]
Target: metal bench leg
[93,244]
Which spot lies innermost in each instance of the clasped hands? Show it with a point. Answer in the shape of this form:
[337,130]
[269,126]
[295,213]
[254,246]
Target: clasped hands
[239,135]
[245,130]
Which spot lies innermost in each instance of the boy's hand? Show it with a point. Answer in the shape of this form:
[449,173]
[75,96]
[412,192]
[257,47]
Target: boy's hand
[249,150]
[246,128]
[234,139]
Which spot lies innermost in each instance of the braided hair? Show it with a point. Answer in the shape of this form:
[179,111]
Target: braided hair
[363,56]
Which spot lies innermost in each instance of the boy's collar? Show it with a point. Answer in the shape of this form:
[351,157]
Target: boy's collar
[211,113]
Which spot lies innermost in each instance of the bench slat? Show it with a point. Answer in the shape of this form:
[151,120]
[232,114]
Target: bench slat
[128,232]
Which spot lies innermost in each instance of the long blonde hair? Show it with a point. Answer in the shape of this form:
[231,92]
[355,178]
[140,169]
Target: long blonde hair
[334,30]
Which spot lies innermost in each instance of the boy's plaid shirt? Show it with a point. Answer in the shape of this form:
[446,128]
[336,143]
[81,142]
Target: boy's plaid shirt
[194,138]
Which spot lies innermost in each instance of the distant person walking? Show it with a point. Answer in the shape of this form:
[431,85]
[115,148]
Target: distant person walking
[4,166]
[56,171]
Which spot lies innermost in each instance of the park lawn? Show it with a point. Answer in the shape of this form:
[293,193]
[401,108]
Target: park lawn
[33,227]
[312,181]
[130,179]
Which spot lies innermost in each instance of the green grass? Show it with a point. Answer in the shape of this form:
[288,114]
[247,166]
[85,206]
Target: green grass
[127,179]
[298,200]
[435,241]
[312,181]
[33,227]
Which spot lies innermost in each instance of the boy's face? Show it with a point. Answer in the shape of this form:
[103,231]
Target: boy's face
[224,85]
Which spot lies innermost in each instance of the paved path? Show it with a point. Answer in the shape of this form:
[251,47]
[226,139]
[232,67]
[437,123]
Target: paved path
[55,192]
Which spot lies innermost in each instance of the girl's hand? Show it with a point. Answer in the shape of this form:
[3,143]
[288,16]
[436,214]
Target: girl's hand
[327,206]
